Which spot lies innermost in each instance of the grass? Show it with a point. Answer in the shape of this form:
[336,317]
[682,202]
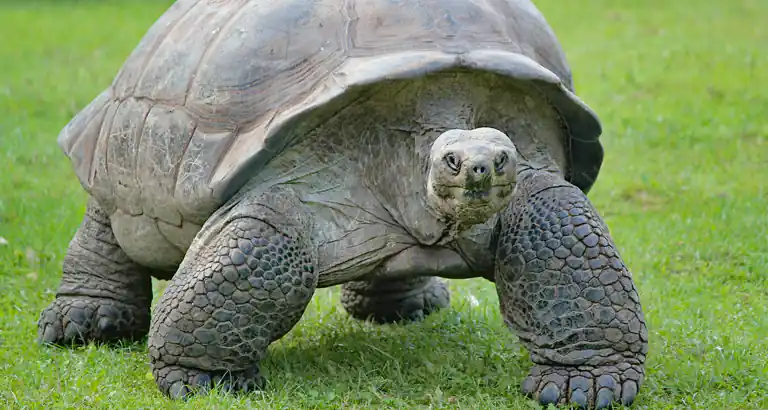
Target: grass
[681,88]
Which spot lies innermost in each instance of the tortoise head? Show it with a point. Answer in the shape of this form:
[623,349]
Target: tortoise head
[471,175]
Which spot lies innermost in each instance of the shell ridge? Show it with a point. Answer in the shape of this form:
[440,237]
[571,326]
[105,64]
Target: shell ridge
[151,55]
[237,12]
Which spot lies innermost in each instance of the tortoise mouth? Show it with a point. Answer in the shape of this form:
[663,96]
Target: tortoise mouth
[470,205]
[483,193]
[477,195]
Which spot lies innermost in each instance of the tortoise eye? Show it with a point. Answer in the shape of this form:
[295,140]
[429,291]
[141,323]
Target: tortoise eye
[501,161]
[452,161]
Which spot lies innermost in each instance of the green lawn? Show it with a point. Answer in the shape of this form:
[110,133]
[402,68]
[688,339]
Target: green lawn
[682,88]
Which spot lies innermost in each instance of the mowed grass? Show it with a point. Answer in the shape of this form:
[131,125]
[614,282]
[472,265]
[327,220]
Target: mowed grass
[682,89]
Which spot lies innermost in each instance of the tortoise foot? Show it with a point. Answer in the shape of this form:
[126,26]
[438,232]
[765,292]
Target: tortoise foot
[388,301]
[81,319]
[180,382]
[103,296]
[595,387]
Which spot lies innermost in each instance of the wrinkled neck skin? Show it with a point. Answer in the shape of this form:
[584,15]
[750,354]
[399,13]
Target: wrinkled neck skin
[536,163]
[539,172]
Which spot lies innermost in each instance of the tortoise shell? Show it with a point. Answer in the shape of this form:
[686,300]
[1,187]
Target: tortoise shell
[205,99]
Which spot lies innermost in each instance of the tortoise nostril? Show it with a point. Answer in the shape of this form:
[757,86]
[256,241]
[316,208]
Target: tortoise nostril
[479,169]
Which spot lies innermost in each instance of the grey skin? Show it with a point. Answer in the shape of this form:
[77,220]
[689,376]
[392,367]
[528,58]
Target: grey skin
[385,178]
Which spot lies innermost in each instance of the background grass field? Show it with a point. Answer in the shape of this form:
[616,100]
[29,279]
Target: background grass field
[682,88]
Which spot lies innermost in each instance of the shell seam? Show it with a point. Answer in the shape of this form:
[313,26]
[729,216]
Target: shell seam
[139,139]
[91,170]
[107,135]
[181,161]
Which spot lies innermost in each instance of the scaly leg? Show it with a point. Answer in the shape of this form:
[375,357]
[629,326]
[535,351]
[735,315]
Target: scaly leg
[565,290]
[103,295]
[232,296]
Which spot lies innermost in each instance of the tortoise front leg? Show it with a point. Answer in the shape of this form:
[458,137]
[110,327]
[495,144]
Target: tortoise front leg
[241,286]
[565,290]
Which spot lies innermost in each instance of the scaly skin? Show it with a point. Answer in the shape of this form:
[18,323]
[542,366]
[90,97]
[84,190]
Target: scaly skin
[565,290]
[103,295]
[391,300]
[231,297]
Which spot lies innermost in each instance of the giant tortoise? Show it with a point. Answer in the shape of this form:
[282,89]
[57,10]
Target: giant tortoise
[253,151]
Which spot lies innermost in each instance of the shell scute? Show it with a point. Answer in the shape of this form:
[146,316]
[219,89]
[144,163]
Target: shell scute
[126,79]
[167,132]
[192,193]
[99,184]
[268,58]
[169,72]
[123,140]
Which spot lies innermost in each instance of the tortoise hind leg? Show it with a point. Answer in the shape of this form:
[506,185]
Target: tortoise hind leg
[391,300]
[566,292]
[103,296]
